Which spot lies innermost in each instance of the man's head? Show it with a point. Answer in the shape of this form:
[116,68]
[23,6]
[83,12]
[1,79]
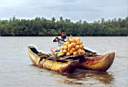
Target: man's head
[63,34]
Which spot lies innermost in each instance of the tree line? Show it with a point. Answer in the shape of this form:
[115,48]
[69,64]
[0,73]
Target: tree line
[53,27]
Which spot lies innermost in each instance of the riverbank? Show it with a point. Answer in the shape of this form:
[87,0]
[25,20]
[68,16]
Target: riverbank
[53,27]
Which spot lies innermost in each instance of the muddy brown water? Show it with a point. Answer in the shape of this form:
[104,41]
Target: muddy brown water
[16,69]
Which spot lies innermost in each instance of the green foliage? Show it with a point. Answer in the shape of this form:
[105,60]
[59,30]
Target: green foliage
[53,27]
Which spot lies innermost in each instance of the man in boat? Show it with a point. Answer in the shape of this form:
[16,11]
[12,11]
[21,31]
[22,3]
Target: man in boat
[60,39]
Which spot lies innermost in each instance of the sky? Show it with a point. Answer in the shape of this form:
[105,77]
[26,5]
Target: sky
[86,10]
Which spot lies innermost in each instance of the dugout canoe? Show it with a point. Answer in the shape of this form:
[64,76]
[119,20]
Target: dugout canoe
[45,61]
[69,64]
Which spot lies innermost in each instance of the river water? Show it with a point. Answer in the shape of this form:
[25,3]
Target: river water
[16,69]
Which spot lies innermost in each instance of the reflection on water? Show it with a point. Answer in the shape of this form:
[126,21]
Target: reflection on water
[104,77]
[81,75]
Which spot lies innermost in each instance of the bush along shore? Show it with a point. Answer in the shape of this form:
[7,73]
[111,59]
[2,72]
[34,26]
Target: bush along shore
[52,27]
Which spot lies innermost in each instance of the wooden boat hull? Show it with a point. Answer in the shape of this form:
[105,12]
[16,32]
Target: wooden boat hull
[57,66]
[96,63]
[99,63]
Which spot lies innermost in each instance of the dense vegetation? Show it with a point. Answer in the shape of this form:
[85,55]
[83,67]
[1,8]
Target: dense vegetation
[45,27]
